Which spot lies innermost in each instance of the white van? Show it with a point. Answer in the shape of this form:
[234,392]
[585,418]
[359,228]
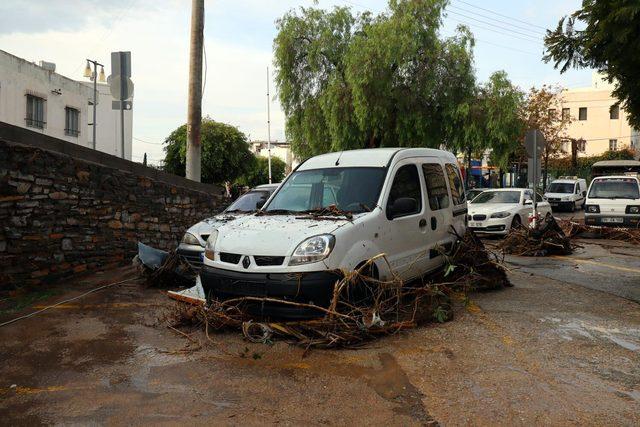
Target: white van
[613,201]
[566,193]
[332,214]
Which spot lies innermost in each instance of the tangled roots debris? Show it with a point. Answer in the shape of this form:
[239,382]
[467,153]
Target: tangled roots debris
[576,229]
[547,238]
[363,308]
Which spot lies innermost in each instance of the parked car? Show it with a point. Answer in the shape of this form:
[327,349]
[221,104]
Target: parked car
[192,244]
[566,193]
[332,214]
[471,194]
[499,210]
[613,201]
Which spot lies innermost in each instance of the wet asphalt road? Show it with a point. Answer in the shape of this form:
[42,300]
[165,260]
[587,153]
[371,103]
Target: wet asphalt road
[561,347]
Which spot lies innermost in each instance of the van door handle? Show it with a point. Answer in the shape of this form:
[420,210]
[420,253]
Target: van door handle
[434,223]
[422,223]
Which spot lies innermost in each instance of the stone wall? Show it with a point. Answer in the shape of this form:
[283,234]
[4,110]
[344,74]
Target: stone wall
[62,215]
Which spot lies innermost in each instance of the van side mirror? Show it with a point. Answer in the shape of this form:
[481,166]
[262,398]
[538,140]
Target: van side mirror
[584,193]
[402,206]
[528,202]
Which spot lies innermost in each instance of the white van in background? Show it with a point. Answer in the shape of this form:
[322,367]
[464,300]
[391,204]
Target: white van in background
[332,214]
[613,201]
[567,192]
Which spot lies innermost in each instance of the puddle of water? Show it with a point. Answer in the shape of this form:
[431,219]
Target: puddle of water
[627,338]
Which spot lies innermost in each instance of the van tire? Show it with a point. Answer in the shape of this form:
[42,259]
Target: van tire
[573,207]
[361,293]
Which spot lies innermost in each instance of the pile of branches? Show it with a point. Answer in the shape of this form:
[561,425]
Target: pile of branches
[363,308]
[547,238]
[173,271]
[576,229]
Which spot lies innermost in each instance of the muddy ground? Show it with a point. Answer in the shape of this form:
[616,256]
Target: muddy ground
[550,350]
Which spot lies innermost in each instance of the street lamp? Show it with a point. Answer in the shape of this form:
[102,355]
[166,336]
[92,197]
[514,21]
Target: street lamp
[92,76]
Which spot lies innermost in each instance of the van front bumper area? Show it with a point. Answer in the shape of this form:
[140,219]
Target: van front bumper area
[308,288]
[629,221]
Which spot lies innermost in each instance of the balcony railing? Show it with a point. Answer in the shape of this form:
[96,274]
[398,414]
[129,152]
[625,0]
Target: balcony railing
[33,123]
[72,132]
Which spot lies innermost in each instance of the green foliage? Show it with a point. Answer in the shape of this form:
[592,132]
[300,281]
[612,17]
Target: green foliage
[225,152]
[348,81]
[562,166]
[609,43]
[258,173]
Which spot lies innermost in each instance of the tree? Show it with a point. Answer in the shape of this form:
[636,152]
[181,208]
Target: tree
[225,152]
[491,120]
[609,43]
[543,111]
[348,81]
[258,173]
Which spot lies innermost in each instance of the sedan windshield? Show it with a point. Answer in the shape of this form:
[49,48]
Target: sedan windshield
[248,202]
[352,190]
[497,197]
[614,188]
[561,187]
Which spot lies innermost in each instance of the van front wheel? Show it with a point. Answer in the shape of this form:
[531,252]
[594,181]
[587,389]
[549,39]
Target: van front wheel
[362,290]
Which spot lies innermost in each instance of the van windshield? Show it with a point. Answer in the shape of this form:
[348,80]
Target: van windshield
[497,197]
[561,187]
[614,188]
[352,190]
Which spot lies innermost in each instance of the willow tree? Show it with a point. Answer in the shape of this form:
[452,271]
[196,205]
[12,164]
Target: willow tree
[353,81]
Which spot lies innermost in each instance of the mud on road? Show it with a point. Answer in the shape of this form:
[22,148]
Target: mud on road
[547,351]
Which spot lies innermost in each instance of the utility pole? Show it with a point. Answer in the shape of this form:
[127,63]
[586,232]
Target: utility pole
[194,110]
[268,126]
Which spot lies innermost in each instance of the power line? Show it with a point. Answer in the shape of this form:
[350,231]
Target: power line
[495,31]
[496,26]
[500,14]
[537,32]
[147,142]
[509,48]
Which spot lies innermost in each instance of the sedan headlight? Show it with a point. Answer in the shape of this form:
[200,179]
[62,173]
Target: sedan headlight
[190,239]
[592,209]
[209,248]
[313,249]
[633,210]
[500,214]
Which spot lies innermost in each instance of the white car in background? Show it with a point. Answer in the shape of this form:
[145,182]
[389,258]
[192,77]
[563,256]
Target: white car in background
[496,211]
[613,201]
[191,247]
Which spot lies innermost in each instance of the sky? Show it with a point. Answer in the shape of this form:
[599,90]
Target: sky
[238,44]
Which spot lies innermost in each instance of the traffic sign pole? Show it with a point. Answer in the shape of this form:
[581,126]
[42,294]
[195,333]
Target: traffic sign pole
[535,179]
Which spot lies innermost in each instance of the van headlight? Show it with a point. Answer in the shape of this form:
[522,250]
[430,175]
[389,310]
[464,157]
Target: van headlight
[500,214]
[190,239]
[592,208]
[633,209]
[313,249]
[209,248]
[566,198]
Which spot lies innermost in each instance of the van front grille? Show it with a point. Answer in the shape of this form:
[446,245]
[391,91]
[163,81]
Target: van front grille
[264,260]
[230,258]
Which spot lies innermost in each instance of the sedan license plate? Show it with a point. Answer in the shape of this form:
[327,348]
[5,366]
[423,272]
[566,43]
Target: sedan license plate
[614,220]
[475,224]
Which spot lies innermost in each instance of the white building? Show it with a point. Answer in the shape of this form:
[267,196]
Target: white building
[280,149]
[35,97]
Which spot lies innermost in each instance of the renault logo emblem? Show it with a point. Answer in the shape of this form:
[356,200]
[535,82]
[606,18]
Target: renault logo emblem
[246,262]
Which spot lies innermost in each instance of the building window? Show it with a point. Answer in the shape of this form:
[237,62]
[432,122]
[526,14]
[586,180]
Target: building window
[582,113]
[581,145]
[566,113]
[71,121]
[552,112]
[613,144]
[35,112]
[614,112]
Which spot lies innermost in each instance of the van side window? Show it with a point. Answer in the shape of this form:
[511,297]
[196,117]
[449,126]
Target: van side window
[406,183]
[455,183]
[436,186]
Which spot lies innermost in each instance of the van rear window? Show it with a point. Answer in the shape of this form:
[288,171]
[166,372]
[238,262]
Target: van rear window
[614,188]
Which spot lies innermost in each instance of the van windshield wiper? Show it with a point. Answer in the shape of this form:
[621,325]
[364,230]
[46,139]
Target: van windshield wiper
[276,212]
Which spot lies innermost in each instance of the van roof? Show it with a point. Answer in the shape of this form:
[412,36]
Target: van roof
[620,163]
[616,177]
[370,157]
[567,180]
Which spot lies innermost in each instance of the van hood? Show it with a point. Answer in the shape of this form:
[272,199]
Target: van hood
[272,235]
